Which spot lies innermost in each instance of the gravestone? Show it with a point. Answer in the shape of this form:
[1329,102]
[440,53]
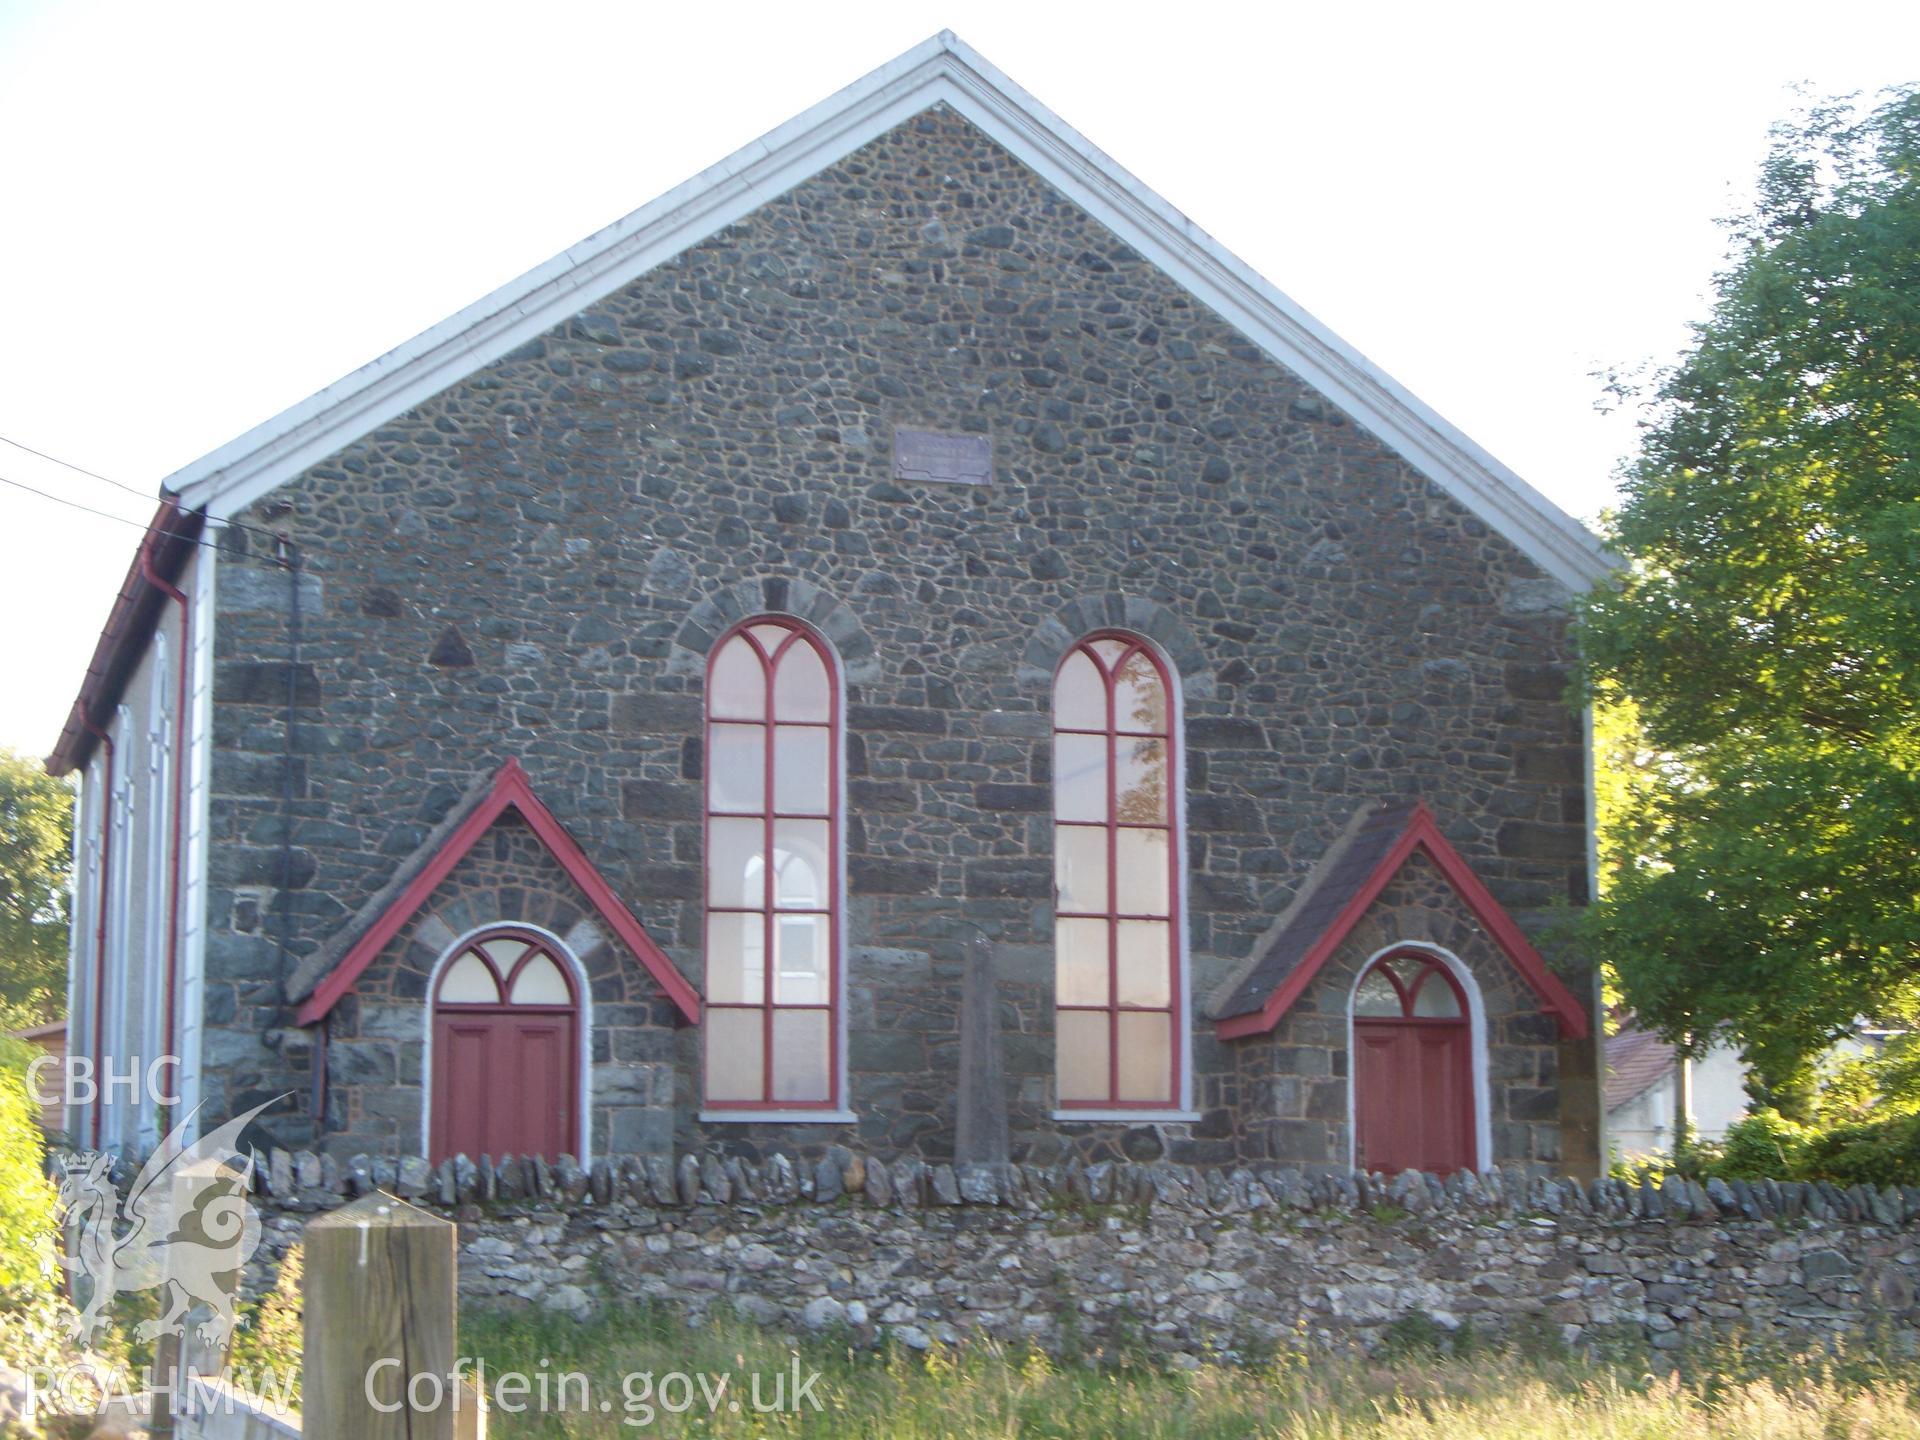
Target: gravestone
[980,1119]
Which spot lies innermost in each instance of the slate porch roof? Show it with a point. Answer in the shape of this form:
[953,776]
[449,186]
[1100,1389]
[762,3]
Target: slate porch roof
[1367,854]
[329,972]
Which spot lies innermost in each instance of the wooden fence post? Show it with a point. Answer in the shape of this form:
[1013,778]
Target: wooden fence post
[380,1310]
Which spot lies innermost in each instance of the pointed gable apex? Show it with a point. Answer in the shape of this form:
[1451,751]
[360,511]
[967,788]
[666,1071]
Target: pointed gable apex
[1348,879]
[331,973]
[940,71]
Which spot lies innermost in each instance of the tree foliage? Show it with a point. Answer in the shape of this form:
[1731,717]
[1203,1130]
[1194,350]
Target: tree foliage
[1768,627]
[36,852]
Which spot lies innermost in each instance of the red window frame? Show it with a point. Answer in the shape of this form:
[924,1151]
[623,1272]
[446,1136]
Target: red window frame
[1113,914]
[1428,966]
[798,633]
[537,944]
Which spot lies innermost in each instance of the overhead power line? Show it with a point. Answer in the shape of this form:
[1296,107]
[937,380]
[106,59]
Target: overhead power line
[78,469]
[72,504]
[108,480]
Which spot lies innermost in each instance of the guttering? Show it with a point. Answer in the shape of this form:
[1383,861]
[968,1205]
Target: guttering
[150,573]
[105,741]
[171,535]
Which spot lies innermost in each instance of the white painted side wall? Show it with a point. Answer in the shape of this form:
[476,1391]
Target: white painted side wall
[1719,1092]
[123,921]
[135,888]
[1644,1125]
[80,939]
[156,761]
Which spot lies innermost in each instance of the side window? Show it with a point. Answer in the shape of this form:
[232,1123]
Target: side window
[772,912]
[1117,973]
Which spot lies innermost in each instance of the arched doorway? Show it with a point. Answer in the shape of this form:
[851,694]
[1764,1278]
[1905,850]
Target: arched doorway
[506,1050]
[1413,1088]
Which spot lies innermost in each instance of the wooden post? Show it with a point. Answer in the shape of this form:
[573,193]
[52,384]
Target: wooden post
[380,1310]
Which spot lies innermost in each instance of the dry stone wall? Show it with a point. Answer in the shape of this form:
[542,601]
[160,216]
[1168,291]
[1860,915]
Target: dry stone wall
[1181,1260]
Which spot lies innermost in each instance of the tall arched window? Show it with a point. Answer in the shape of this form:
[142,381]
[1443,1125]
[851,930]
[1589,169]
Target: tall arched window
[506,1050]
[1116,845]
[773,811]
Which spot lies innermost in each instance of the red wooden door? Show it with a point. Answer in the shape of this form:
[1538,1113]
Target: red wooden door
[1412,1072]
[504,1074]
[503,1085]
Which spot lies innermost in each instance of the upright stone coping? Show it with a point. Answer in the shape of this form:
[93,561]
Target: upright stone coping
[298,1180]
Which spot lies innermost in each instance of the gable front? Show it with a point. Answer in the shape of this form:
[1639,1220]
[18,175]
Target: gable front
[941,75]
[334,969]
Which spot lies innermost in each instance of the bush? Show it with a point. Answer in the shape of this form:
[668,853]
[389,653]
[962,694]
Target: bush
[270,1335]
[1862,1127]
[28,1218]
[1765,1145]
[1768,1146]
[1866,1152]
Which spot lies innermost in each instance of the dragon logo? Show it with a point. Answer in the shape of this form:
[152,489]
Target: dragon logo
[186,1228]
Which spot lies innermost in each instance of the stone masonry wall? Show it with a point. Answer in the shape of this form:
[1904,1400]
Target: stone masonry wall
[536,562]
[1184,1261]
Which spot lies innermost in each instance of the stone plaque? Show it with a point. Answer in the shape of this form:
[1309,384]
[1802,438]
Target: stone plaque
[923,455]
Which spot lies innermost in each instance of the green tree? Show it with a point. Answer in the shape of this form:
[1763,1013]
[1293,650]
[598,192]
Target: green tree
[1768,625]
[36,852]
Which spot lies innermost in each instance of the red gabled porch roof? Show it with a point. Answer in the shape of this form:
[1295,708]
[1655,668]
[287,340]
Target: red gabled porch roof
[510,790]
[1369,857]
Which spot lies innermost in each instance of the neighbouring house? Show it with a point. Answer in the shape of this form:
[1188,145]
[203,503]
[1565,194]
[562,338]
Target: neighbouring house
[902,642]
[49,1039]
[1647,1084]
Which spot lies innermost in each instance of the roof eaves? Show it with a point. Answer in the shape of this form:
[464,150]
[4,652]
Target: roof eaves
[170,537]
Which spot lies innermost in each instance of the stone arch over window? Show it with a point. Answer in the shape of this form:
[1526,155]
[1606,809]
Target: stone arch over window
[506,1068]
[774,1026]
[1417,1063]
[1120,981]
[722,609]
[1050,641]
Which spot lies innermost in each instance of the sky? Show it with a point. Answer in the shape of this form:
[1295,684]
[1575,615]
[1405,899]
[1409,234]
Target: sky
[208,210]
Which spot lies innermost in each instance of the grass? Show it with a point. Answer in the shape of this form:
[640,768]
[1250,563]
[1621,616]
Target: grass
[1427,1383]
